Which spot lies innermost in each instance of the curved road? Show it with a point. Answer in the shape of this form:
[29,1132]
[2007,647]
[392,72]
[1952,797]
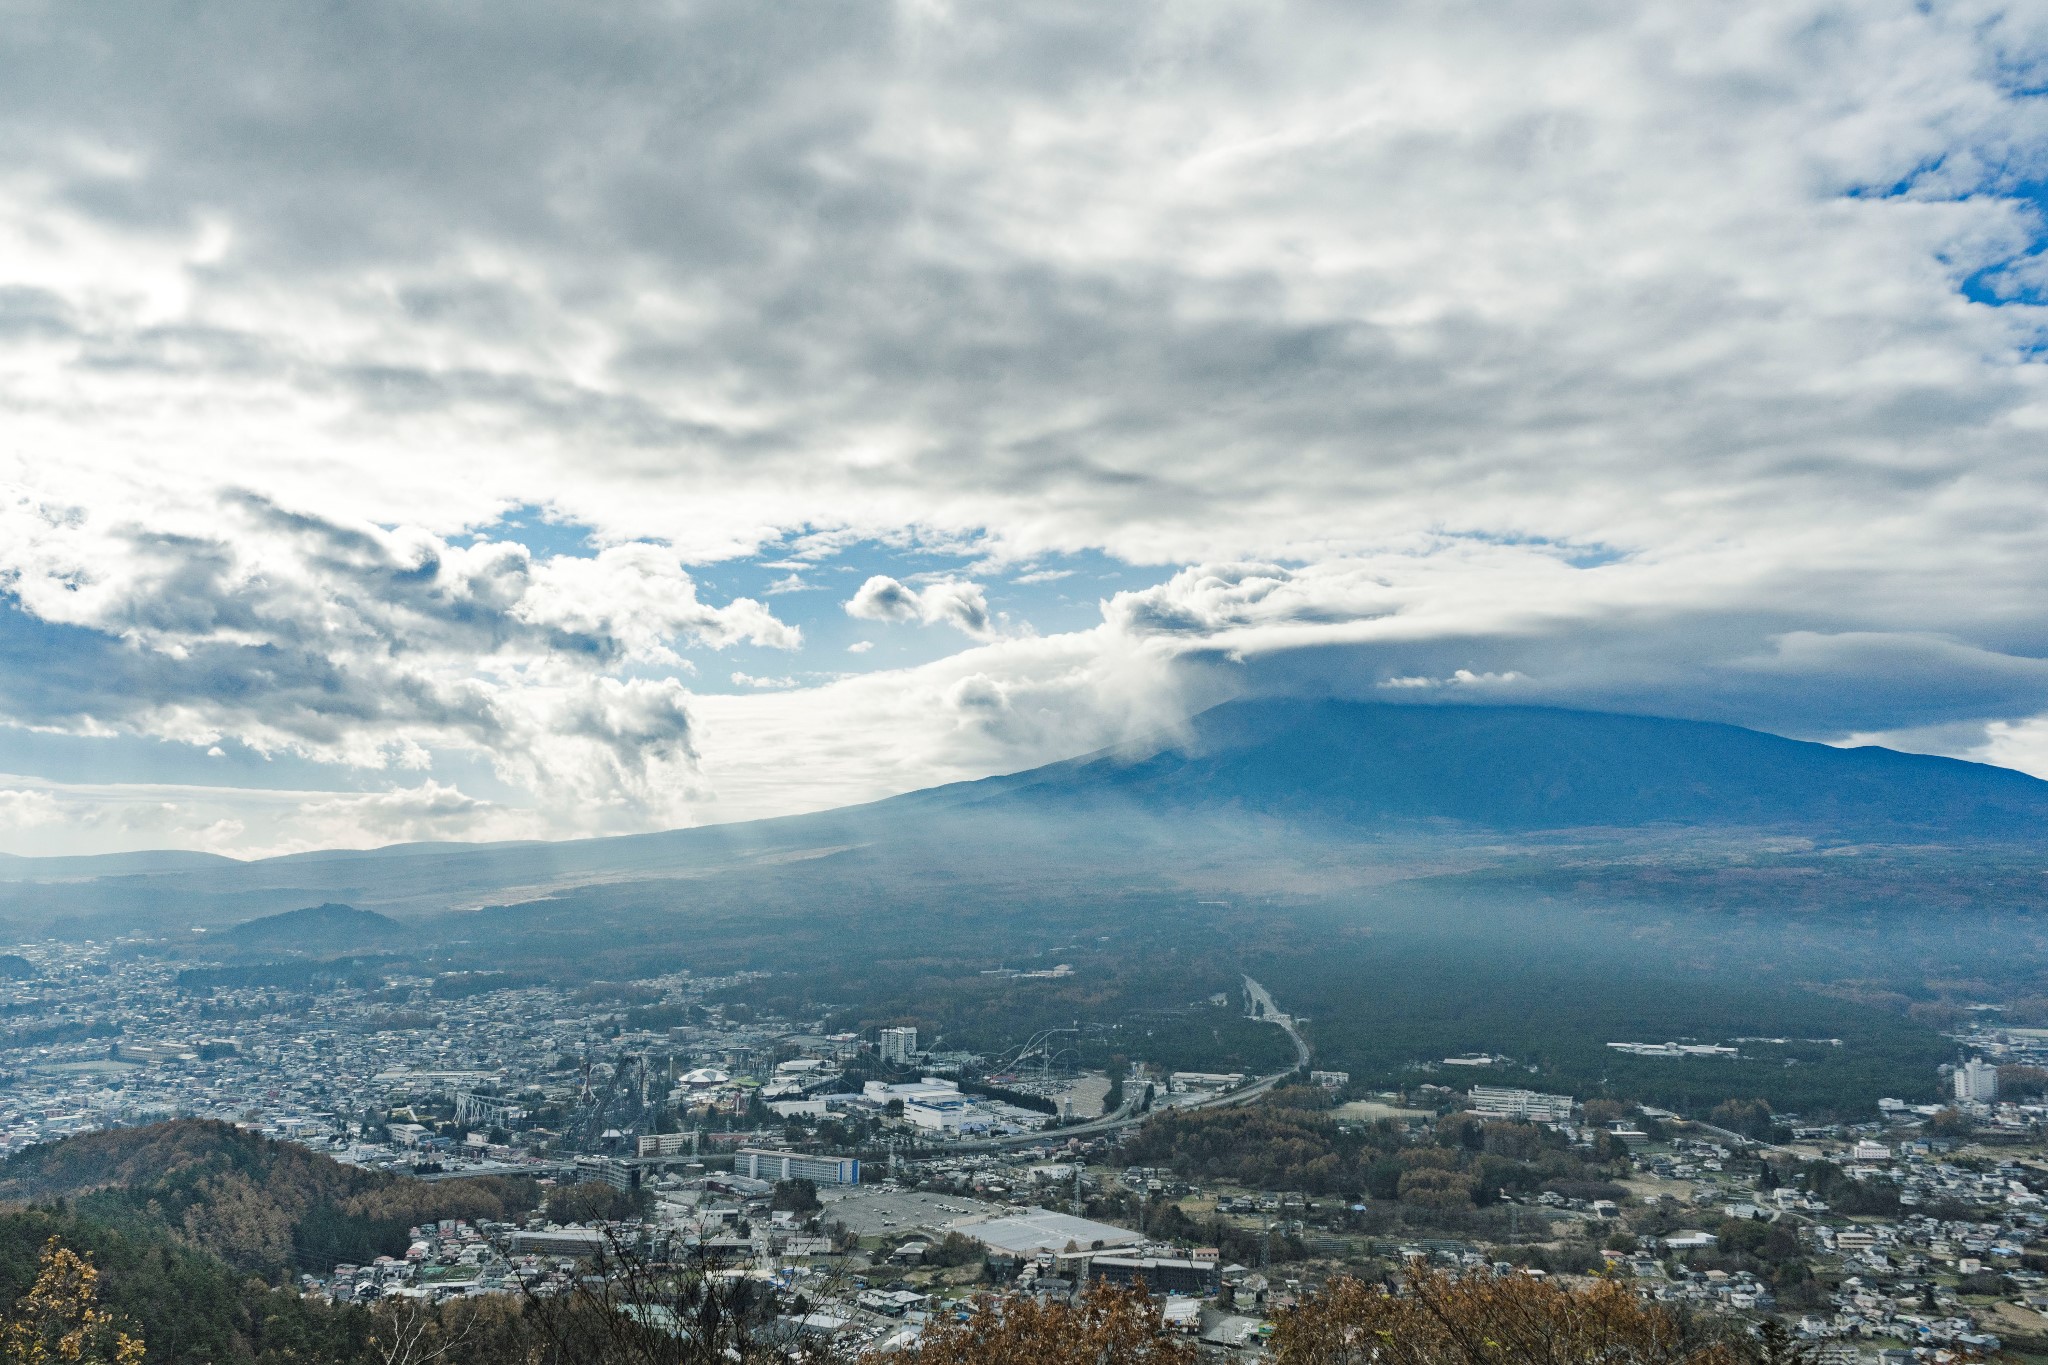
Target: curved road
[1127,1113]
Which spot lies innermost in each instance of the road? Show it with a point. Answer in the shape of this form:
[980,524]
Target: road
[1127,1113]
[1735,1139]
[1262,1000]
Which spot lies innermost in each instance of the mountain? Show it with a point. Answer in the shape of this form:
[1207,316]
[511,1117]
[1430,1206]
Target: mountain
[1222,787]
[15,868]
[1337,764]
[317,928]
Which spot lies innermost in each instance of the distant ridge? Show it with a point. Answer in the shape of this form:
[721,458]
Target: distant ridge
[1330,770]
[16,868]
[1340,763]
[316,928]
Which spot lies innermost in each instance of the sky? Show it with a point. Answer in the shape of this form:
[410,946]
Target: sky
[483,421]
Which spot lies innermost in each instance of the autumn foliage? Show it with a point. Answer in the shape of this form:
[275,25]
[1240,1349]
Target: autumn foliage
[263,1207]
[1110,1326]
[1510,1320]
[59,1321]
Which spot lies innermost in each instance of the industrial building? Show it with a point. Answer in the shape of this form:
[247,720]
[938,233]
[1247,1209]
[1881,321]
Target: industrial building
[1159,1274]
[582,1243]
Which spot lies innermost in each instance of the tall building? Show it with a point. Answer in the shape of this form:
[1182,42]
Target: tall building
[899,1045]
[1976,1081]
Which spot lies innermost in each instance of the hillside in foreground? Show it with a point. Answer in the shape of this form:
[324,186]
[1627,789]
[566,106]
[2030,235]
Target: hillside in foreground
[263,1207]
[197,1227]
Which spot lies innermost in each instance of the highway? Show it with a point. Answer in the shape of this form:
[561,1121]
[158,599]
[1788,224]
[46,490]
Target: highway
[1128,1114]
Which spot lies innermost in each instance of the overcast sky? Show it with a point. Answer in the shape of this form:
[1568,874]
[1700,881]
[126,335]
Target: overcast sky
[500,420]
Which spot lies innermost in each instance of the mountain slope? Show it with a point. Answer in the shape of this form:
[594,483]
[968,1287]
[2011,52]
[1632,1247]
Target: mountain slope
[1527,768]
[1330,770]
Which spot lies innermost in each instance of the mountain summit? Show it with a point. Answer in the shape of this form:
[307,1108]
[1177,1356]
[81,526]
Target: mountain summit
[1339,763]
[1329,770]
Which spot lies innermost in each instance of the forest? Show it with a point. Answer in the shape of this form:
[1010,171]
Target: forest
[189,1308]
[1390,1005]
[1290,1144]
[262,1208]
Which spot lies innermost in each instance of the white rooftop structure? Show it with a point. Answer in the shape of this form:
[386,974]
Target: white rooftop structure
[1037,1232]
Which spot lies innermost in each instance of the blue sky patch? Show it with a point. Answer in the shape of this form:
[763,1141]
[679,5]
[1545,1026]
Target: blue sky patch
[1048,595]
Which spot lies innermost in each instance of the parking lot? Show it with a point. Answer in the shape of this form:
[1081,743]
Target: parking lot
[871,1213]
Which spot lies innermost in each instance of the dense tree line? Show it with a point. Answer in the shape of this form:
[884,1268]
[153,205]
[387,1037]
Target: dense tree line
[263,1207]
[594,1201]
[1381,1009]
[1237,1245]
[798,1195]
[1266,1147]
[291,973]
[1847,1195]
[1465,1162]
[187,1307]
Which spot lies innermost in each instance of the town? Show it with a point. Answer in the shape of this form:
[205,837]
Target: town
[882,1183]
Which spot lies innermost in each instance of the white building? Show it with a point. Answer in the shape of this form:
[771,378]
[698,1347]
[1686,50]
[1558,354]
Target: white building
[759,1164]
[899,1045]
[1976,1081]
[1496,1101]
[932,1103]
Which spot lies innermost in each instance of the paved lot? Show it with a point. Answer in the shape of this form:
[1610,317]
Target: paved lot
[870,1213]
[1042,1230]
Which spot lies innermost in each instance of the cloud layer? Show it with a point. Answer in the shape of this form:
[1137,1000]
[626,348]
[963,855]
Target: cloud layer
[365,648]
[1651,356]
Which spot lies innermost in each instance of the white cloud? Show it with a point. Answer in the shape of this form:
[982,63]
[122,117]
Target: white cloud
[358,645]
[400,815]
[44,818]
[27,810]
[951,602]
[1609,356]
